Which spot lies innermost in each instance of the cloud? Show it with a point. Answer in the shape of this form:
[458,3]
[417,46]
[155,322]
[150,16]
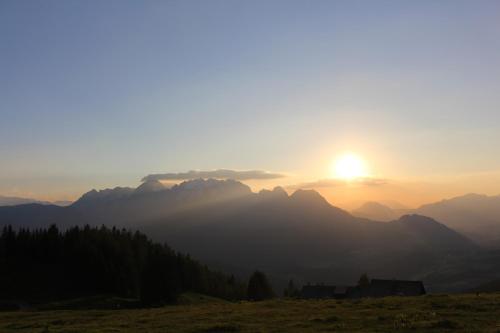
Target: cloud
[220,174]
[325,183]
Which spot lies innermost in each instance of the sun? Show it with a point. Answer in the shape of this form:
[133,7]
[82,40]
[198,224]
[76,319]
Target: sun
[349,167]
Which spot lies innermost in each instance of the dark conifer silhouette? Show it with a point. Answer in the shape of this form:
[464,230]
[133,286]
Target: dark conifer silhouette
[363,281]
[259,287]
[291,290]
[48,264]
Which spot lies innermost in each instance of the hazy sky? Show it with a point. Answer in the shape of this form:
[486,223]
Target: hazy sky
[102,93]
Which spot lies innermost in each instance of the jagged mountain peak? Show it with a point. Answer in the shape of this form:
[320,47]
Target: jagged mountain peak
[279,189]
[105,195]
[308,196]
[212,184]
[150,186]
[277,192]
[312,200]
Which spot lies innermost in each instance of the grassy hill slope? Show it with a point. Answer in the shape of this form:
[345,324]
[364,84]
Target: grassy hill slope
[432,313]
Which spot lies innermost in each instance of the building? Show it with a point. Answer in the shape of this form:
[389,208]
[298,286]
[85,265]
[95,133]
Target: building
[317,291]
[376,288]
[323,291]
[383,288]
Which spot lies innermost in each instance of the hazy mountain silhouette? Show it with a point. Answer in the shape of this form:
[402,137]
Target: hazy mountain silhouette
[375,211]
[223,222]
[13,201]
[475,215]
[62,203]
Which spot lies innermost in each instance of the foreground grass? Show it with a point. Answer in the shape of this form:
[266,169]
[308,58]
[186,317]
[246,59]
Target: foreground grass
[432,313]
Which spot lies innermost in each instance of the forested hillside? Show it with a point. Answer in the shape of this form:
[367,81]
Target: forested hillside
[48,264]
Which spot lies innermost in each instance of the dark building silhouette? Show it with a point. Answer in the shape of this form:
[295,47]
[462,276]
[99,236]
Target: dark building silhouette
[318,291]
[376,288]
[382,288]
[323,291]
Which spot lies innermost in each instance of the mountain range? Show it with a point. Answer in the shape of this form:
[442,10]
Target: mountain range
[300,236]
[474,215]
[13,201]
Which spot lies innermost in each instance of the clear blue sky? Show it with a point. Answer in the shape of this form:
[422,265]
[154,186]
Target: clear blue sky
[101,93]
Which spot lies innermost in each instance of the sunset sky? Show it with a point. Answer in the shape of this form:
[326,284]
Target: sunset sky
[97,94]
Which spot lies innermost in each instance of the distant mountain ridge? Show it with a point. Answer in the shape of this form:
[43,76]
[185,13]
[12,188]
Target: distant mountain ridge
[376,211]
[14,201]
[473,214]
[225,223]
[476,216]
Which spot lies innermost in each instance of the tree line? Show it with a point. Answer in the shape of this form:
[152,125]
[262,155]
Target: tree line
[51,264]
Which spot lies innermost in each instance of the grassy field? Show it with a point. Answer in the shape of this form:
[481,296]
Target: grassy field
[431,313]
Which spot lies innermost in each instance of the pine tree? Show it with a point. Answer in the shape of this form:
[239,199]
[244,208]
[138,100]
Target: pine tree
[291,290]
[259,287]
[363,281]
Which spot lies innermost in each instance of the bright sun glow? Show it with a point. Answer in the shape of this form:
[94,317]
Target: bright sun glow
[348,167]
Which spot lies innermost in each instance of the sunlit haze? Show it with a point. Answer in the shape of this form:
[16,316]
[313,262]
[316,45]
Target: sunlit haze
[349,166]
[98,94]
